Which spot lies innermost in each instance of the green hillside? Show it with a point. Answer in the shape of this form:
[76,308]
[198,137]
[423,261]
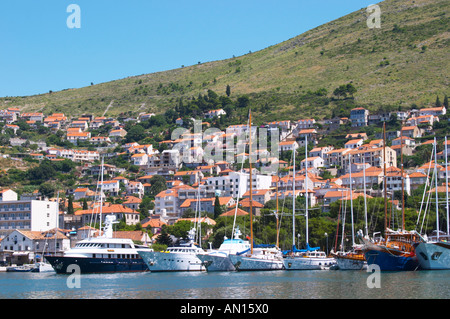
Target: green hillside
[403,63]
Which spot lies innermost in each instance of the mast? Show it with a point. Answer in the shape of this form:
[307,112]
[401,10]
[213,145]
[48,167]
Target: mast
[403,183]
[278,230]
[384,176]
[446,184]
[293,201]
[365,195]
[251,184]
[351,201]
[306,188]
[436,192]
[101,199]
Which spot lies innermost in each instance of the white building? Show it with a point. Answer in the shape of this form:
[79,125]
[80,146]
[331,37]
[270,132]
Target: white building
[237,184]
[33,215]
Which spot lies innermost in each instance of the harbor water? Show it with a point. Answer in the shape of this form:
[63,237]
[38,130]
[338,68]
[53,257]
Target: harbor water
[330,284]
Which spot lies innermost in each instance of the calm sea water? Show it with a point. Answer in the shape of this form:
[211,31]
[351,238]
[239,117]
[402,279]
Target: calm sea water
[228,285]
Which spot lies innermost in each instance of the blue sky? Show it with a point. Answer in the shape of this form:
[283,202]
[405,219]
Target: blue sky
[38,52]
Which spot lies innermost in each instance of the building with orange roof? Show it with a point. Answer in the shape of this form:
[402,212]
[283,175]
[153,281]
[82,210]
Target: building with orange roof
[234,211]
[130,216]
[437,111]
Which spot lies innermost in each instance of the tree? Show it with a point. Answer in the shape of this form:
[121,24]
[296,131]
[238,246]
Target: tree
[70,209]
[228,90]
[164,237]
[446,101]
[47,189]
[158,185]
[135,134]
[217,208]
[438,102]
[243,101]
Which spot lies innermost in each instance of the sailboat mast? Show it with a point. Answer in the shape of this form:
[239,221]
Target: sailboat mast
[251,177]
[446,184]
[101,198]
[351,200]
[403,183]
[436,192]
[293,200]
[365,195]
[278,229]
[384,176]
[306,188]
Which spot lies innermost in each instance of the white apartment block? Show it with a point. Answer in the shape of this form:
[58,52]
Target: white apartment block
[237,184]
[78,155]
[34,215]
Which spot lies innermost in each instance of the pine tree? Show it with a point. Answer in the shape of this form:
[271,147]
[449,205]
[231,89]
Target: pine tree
[217,208]
[70,209]
[438,102]
[446,101]
[228,90]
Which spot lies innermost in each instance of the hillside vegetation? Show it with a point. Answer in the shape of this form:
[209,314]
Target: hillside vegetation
[402,64]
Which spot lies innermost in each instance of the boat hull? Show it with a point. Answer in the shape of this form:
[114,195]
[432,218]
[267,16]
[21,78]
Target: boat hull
[96,265]
[249,263]
[345,263]
[162,261]
[216,262]
[308,263]
[387,260]
[433,256]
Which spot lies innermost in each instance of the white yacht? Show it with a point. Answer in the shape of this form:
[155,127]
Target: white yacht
[434,254]
[219,260]
[308,260]
[102,254]
[262,258]
[176,258]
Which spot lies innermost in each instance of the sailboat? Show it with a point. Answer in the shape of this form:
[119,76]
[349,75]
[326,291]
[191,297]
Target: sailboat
[267,257]
[353,259]
[396,251]
[102,254]
[309,258]
[435,252]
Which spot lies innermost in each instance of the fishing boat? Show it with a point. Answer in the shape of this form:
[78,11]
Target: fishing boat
[219,260]
[310,258]
[102,254]
[434,253]
[182,257]
[394,252]
[263,257]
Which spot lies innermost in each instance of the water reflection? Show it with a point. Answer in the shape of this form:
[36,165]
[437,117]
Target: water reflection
[228,285]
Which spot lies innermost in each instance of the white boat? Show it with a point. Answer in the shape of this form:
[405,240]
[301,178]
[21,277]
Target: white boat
[309,258]
[101,254]
[267,257]
[176,258]
[43,267]
[219,260]
[434,252]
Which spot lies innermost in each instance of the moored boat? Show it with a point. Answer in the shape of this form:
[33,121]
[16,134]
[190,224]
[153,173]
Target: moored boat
[219,259]
[176,258]
[103,254]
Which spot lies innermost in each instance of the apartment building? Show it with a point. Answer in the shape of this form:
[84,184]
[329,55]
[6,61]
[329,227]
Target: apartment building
[33,215]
